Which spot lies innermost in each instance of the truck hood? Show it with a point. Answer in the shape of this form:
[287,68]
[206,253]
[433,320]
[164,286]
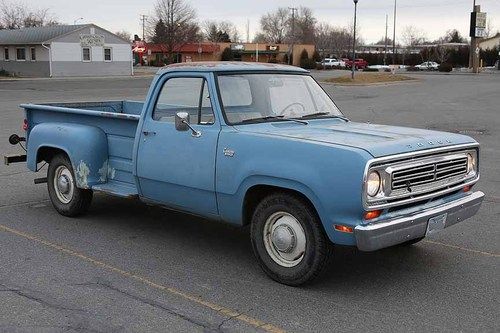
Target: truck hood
[378,140]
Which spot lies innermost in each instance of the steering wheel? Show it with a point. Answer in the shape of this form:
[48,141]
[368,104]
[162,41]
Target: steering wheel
[292,113]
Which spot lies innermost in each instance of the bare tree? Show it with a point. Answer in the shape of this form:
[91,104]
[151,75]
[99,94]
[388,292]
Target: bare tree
[220,31]
[178,25]
[15,15]
[275,25]
[124,35]
[332,40]
[260,38]
[412,36]
[305,26]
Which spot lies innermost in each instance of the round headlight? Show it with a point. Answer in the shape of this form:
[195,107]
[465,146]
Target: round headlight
[471,163]
[373,184]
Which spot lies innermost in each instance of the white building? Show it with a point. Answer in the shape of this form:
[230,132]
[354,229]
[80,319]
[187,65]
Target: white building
[64,50]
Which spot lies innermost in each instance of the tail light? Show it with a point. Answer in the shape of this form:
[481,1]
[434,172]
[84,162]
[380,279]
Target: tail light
[25,125]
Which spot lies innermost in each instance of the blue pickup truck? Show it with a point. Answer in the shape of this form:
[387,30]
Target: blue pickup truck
[260,145]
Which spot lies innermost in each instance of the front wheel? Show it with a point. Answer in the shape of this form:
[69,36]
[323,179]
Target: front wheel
[66,198]
[288,239]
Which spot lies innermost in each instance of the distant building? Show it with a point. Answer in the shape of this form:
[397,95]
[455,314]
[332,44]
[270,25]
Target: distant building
[490,43]
[64,50]
[415,49]
[156,54]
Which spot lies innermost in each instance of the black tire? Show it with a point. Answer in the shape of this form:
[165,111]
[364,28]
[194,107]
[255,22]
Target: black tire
[80,199]
[317,248]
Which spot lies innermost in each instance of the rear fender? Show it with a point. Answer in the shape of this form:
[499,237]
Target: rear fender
[86,147]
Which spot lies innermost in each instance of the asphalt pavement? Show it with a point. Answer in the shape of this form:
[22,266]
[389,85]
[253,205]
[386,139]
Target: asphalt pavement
[128,267]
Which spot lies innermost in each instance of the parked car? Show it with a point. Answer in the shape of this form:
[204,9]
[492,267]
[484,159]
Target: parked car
[428,66]
[332,62]
[359,63]
[260,145]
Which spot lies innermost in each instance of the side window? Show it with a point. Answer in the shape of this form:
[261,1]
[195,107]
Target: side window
[184,94]
[86,54]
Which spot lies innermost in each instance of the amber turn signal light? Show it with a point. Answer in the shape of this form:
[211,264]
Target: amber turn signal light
[343,228]
[372,214]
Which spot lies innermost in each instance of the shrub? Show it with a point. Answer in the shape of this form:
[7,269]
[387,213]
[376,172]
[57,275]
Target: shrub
[273,61]
[3,72]
[227,55]
[304,55]
[445,67]
[316,57]
[307,63]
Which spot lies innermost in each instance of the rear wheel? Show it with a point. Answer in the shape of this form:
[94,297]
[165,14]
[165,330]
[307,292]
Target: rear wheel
[288,239]
[66,198]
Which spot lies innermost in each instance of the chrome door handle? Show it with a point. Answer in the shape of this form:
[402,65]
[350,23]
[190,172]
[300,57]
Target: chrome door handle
[146,133]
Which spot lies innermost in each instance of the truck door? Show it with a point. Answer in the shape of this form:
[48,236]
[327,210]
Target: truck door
[176,168]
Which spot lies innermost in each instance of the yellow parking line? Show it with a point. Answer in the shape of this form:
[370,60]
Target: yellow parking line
[489,254]
[215,307]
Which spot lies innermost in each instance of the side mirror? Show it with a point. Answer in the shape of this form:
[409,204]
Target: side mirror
[182,124]
[182,121]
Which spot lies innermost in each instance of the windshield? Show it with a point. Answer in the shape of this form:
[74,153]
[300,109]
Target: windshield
[250,98]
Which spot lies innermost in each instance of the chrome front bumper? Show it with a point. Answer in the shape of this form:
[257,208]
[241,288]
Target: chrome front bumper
[399,230]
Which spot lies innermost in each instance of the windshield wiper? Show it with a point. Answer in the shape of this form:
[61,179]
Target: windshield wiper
[316,114]
[280,117]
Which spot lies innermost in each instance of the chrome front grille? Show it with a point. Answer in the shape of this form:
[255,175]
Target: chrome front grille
[428,173]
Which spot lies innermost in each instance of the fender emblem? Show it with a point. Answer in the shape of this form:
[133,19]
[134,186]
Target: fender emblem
[228,152]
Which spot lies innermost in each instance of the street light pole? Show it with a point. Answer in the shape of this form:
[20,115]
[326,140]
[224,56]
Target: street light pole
[394,35]
[353,65]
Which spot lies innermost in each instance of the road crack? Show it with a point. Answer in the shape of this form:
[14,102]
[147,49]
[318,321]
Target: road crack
[206,326]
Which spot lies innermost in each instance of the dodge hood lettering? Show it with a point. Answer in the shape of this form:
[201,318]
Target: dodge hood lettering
[378,140]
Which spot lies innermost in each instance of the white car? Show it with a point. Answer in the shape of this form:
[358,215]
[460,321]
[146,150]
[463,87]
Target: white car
[428,65]
[332,62]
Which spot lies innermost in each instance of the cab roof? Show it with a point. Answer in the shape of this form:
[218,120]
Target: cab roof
[228,66]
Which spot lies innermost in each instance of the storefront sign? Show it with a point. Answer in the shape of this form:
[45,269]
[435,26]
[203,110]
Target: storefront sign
[477,25]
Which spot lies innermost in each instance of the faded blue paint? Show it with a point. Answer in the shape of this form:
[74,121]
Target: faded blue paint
[324,160]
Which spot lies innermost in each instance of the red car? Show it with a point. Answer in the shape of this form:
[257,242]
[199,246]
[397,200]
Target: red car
[359,63]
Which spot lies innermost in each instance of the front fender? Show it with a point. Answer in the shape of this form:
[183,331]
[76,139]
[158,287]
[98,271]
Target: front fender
[86,147]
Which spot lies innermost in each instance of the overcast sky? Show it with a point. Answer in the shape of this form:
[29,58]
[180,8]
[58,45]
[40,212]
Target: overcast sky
[433,17]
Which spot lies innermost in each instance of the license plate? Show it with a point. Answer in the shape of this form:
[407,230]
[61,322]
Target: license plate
[435,224]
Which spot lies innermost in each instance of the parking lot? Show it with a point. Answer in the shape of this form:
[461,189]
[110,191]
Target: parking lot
[126,266]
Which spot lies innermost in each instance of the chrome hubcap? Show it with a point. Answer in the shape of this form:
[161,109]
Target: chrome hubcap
[63,184]
[284,239]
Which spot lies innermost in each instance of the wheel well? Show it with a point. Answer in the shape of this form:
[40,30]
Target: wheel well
[258,192]
[47,154]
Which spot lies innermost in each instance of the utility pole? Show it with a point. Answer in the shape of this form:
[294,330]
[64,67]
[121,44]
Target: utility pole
[394,35]
[385,47]
[290,55]
[143,19]
[248,31]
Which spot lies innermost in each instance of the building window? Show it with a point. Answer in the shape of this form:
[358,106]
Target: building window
[6,54]
[33,53]
[107,54]
[21,54]
[86,54]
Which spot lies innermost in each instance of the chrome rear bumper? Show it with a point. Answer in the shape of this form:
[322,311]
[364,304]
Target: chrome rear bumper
[399,230]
